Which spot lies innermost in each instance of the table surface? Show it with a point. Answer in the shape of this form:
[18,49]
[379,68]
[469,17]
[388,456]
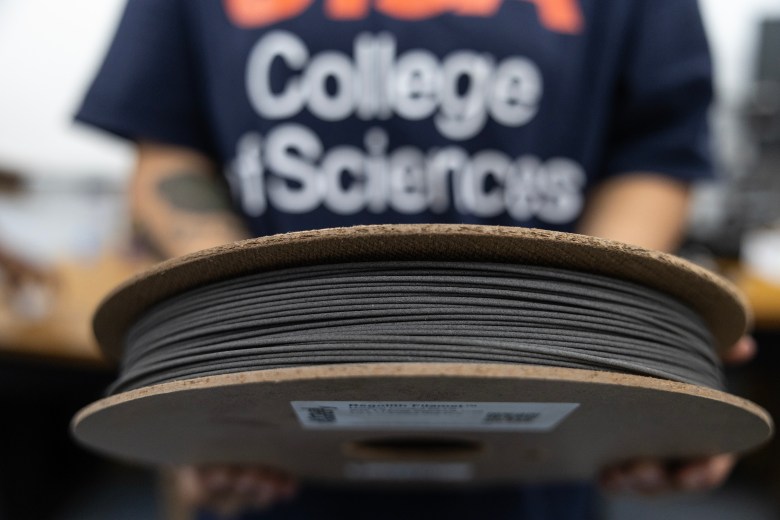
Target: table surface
[51,316]
[763,295]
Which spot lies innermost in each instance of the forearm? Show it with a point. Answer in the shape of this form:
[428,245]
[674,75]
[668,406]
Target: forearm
[647,210]
[179,204]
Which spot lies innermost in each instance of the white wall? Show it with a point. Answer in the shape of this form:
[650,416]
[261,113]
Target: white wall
[50,48]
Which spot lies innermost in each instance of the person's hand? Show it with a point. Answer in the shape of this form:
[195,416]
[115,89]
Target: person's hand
[228,490]
[652,477]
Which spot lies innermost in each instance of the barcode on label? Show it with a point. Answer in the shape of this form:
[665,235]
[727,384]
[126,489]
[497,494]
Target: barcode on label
[322,414]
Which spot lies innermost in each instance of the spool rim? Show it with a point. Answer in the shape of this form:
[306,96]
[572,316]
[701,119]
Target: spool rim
[408,371]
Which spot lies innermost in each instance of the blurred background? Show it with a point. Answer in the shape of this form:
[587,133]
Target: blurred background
[65,241]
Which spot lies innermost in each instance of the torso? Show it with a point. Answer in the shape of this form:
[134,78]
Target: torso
[336,112]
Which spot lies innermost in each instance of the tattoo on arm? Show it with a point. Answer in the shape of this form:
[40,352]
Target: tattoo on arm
[194,192]
[186,211]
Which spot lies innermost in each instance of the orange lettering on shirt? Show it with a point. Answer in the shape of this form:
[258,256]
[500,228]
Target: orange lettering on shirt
[563,16]
[347,9]
[257,13]
[421,9]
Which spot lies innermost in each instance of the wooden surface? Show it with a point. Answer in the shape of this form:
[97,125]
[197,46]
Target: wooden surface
[247,418]
[49,315]
[763,295]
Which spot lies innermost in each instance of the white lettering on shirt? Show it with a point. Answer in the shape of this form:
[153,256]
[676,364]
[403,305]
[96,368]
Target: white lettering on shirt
[292,169]
[461,91]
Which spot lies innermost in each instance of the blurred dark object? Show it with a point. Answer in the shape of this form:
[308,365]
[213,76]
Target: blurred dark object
[41,466]
[758,380]
[762,186]
[765,105]
[10,182]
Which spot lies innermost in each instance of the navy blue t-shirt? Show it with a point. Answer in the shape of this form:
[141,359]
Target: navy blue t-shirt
[340,112]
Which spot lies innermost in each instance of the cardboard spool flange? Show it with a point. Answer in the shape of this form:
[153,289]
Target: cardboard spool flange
[248,418]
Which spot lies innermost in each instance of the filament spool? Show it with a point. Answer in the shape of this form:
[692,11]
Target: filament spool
[259,416]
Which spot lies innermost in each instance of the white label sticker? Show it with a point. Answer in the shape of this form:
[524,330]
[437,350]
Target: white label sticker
[421,471]
[424,415]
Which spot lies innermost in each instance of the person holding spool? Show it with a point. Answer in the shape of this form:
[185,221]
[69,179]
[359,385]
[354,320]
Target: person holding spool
[572,115]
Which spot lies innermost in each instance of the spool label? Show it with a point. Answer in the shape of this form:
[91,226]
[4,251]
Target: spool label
[431,415]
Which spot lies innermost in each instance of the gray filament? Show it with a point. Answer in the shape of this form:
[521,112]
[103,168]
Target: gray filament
[419,312]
